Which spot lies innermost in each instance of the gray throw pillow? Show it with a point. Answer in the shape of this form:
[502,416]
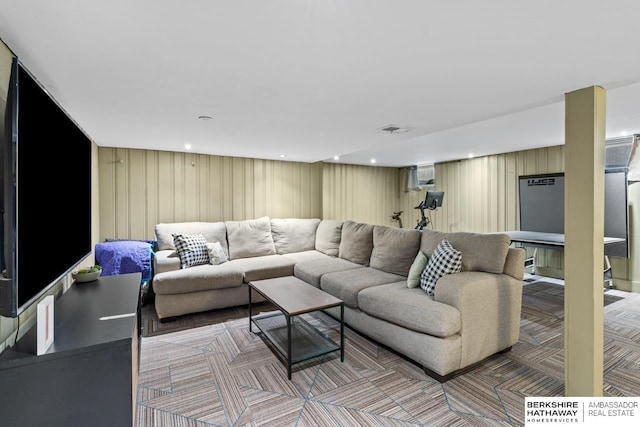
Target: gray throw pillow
[413,280]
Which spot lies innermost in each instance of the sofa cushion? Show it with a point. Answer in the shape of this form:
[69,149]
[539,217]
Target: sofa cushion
[328,236]
[394,249]
[356,242]
[307,256]
[167,260]
[250,238]
[419,312]
[312,271]
[217,255]
[417,267]
[481,252]
[191,248]
[212,232]
[264,267]
[445,260]
[485,252]
[347,284]
[293,234]
[198,278]
[430,240]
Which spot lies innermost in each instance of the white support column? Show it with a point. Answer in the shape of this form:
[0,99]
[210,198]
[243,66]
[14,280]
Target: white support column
[584,248]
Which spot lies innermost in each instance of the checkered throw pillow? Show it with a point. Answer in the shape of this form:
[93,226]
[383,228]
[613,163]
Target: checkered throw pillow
[445,260]
[192,249]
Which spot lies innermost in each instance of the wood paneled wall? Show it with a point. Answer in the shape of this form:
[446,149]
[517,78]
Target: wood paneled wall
[481,195]
[140,188]
[360,193]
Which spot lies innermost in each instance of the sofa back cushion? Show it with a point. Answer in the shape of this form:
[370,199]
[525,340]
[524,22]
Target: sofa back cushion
[430,240]
[250,238]
[485,252]
[356,243]
[212,232]
[481,252]
[328,237]
[394,249]
[294,235]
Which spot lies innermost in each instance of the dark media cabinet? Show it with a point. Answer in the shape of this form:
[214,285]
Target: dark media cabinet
[89,374]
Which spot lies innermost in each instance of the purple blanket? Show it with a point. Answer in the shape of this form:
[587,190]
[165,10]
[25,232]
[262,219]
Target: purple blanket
[125,256]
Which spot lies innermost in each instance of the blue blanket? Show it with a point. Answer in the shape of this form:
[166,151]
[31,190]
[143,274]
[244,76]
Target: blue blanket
[125,256]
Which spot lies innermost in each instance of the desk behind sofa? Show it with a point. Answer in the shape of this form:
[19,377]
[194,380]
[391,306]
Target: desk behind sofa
[555,241]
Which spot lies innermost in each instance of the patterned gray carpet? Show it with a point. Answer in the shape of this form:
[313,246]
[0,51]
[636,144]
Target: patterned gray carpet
[220,374]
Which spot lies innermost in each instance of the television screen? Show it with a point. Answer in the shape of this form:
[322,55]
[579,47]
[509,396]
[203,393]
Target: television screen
[49,163]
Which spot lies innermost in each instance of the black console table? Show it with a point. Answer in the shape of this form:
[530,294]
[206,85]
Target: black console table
[89,374]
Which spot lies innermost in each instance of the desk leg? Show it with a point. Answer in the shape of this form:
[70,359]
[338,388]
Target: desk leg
[342,332]
[288,346]
[249,308]
[608,275]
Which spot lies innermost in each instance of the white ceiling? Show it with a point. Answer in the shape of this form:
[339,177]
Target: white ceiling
[312,79]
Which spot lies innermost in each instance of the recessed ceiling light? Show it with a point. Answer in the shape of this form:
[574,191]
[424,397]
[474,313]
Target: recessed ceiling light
[470,155]
[187,146]
[336,157]
[624,133]
[282,156]
[373,161]
[205,118]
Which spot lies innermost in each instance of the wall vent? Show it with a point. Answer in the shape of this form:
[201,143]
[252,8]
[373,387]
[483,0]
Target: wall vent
[618,151]
[623,152]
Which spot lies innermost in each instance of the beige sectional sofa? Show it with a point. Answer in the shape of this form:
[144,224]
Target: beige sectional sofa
[472,314]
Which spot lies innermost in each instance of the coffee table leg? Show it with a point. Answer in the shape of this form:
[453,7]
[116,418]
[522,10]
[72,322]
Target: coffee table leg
[342,332]
[250,309]
[289,346]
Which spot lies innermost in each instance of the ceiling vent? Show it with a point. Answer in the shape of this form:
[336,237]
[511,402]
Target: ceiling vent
[395,129]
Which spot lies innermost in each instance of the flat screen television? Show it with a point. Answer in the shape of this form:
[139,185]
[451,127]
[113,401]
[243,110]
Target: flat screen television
[46,192]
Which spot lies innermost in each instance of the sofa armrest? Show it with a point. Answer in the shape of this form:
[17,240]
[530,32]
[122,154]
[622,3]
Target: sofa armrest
[514,264]
[489,305]
[166,260]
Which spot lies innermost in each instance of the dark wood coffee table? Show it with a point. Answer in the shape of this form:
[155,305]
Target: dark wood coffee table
[294,338]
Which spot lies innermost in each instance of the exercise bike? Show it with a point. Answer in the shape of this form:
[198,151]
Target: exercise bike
[432,201]
[424,221]
[396,218]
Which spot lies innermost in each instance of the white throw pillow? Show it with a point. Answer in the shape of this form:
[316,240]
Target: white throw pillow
[413,279]
[217,255]
[192,249]
[445,260]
